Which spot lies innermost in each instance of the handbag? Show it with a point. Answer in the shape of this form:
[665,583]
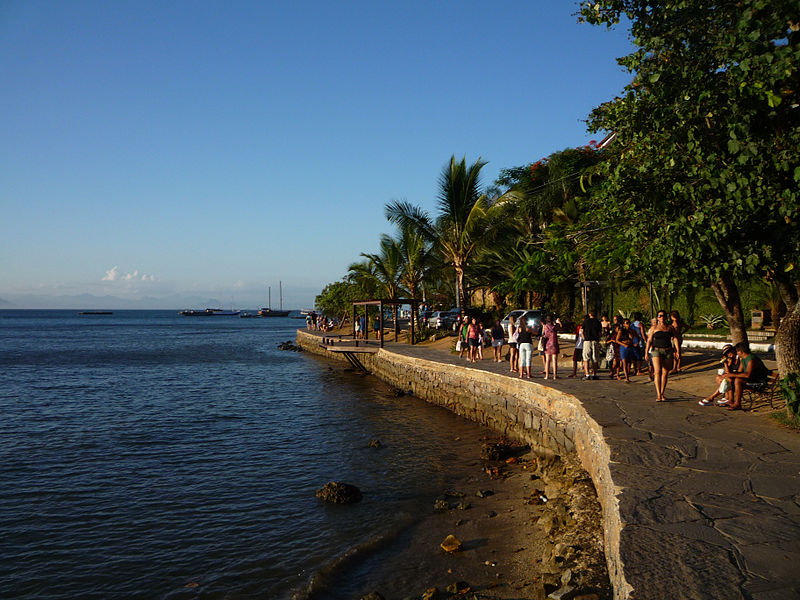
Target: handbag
[458,346]
[540,347]
[610,352]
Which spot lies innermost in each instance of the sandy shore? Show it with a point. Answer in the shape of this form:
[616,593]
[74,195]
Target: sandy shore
[538,531]
[527,528]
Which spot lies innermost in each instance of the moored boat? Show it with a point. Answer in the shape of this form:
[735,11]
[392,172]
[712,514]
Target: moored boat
[268,311]
[210,312]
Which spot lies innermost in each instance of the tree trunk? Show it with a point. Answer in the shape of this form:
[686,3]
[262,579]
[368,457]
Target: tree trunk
[460,298]
[727,294]
[787,341]
[789,293]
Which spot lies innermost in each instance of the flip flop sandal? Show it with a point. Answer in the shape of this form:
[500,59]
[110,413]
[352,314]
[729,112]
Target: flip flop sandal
[706,402]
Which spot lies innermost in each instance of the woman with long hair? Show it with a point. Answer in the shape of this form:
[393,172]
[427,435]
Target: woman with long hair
[550,334]
[525,340]
[661,342]
[680,326]
[513,351]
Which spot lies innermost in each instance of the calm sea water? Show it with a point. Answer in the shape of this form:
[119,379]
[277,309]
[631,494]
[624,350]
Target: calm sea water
[149,455]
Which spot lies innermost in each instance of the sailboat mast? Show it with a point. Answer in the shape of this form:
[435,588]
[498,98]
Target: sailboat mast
[280,288]
[269,298]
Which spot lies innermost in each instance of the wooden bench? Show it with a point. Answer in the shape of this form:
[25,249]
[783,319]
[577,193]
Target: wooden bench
[771,392]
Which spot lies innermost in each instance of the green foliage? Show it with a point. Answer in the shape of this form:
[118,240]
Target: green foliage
[544,239]
[463,225]
[790,387]
[713,321]
[336,298]
[704,183]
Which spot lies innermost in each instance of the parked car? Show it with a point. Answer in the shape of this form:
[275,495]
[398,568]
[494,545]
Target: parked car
[442,319]
[533,318]
[506,320]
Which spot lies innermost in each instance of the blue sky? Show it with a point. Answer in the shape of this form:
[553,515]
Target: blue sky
[172,153]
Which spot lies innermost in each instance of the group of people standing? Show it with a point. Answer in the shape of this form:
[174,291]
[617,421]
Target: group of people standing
[628,347]
[520,343]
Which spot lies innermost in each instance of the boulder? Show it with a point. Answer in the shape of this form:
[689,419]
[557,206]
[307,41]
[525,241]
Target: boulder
[441,505]
[503,451]
[374,444]
[372,596]
[337,492]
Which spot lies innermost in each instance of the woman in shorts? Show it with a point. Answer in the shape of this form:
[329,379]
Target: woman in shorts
[473,336]
[497,341]
[513,351]
[661,343]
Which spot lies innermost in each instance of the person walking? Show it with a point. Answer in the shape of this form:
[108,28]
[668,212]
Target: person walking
[513,350]
[626,338]
[497,341]
[577,353]
[473,335]
[661,342]
[591,345]
[462,336]
[680,326]
[550,335]
[525,341]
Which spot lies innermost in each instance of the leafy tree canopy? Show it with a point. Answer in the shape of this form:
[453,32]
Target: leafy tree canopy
[705,184]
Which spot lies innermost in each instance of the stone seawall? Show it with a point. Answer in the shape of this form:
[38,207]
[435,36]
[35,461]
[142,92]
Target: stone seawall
[551,421]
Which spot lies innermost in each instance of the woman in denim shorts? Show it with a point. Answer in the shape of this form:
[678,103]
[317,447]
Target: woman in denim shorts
[661,341]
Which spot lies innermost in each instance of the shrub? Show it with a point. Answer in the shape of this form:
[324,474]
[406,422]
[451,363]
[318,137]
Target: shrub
[713,321]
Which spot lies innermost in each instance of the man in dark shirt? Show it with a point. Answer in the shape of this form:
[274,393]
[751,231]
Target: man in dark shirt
[591,344]
[753,374]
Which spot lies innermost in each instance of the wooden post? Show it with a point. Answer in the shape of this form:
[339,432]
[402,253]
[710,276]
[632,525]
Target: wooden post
[396,324]
[380,322]
[354,320]
[413,313]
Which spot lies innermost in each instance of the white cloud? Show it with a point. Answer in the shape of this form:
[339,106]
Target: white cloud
[113,274]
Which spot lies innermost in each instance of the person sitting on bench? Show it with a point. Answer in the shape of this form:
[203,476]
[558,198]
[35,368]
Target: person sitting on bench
[753,374]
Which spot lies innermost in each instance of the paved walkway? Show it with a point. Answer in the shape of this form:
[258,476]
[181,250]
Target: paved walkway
[710,498]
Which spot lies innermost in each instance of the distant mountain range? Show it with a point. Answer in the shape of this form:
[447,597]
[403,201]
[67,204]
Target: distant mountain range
[90,301]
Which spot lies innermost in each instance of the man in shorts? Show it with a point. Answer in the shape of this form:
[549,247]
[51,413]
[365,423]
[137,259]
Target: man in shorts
[753,374]
[591,344]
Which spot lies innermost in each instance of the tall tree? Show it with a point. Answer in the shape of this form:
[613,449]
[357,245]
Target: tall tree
[383,267]
[463,220]
[705,188]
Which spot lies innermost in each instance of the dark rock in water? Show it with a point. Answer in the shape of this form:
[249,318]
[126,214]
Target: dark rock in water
[396,392]
[501,451]
[374,444]
[484,493]
[288,345]
[441,505]
[454,494]
[339,493]
[459,587]
[463,505]
[372,596]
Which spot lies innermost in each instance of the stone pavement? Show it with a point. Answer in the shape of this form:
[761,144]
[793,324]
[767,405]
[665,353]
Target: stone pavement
[710,498]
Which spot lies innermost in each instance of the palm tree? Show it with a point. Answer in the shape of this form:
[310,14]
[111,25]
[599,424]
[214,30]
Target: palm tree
[463,221]
[416,254]
[384,267]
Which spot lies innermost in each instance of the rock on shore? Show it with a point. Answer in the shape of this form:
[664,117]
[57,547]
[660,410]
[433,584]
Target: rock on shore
[337,492]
